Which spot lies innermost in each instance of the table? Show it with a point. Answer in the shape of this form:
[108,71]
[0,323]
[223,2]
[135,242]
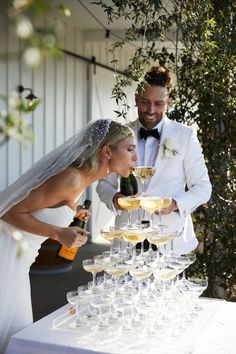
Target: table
[212,333]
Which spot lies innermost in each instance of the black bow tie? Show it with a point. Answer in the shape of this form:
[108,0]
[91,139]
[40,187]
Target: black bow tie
[144,133]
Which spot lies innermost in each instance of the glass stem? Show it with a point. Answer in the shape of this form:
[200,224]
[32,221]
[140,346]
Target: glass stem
[99,315]
[139,287]
[151,219]
[116,283]
[94,279]
[129,217]
[139,216]
[142,248]
[165,249]
[150,247]
[111,247]
[172,246]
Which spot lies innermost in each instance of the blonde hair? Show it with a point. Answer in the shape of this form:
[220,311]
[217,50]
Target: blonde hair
[116,133]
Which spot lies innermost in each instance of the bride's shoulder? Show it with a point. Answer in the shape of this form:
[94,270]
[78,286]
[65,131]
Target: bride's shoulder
[70,176]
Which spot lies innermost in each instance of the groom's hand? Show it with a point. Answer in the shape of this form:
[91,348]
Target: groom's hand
[169,209]
[115,200]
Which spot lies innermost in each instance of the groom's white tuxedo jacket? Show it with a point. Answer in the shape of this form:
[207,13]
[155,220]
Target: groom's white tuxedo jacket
[182,176]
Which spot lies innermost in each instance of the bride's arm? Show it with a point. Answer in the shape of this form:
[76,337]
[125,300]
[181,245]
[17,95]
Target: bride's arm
[58,190]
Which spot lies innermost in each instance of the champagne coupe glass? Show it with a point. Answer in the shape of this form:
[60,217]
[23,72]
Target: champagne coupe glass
[129,203]
[134,235]
[144,173]
[103,260]
[120,306]
[85,313]
[197,286]
[116,270]
[151,204]
[164,273]
[91,266]
[111,234]
[78,305]
[102,302]
[166,203]
[186,259]
[171,254]
[159,237]
[117,230]
[72,297]
[140,271]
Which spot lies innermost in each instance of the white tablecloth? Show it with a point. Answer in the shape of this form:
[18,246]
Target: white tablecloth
[212,333]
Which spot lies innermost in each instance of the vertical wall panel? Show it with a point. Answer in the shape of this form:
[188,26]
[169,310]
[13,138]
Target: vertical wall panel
[3,106]
[60,92]
[49,105]
[14,163]
[38,146]
[26,151]
[81,82]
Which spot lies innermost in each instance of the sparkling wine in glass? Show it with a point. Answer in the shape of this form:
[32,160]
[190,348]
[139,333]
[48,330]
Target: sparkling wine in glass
[91,266]
[134,235]
[151,204]
[159,237]
[166,203]
[140,271]
[129,203]
[165,273]
[116,270]
[111,234]
[144,173]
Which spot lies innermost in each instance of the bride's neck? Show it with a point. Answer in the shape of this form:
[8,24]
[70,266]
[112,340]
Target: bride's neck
[92,176]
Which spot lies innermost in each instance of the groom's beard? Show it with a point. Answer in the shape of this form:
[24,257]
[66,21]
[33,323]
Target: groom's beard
[150,120]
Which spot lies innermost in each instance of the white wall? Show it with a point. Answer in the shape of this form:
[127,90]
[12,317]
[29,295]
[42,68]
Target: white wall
[62,86]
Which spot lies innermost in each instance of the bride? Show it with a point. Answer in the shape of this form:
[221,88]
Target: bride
[42,203]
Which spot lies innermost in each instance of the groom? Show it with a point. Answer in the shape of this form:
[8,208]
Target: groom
[174,150]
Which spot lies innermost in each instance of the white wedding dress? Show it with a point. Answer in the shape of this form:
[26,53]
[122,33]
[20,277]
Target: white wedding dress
[15,295]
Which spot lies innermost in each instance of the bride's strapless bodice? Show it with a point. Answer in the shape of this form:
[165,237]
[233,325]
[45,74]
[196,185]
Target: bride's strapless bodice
[61,216]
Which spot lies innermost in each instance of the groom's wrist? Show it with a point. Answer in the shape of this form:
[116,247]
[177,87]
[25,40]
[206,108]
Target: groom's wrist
[175,205]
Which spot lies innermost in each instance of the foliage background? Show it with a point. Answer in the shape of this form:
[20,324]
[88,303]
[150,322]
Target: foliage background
[204,64]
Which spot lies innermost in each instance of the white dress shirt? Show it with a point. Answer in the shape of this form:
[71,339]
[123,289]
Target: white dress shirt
[148,149]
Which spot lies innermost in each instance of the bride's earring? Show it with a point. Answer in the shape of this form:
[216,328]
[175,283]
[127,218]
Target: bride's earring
[108,170]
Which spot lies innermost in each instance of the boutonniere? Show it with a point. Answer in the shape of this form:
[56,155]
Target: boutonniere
[170,148]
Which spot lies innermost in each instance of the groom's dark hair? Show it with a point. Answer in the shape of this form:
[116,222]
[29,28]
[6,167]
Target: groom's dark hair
[157,76]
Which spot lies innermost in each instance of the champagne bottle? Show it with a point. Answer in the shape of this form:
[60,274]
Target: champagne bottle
[128,185]
[68,254]
[134,183]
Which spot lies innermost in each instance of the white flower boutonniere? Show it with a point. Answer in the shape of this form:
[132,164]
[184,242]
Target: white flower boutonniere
[170,148]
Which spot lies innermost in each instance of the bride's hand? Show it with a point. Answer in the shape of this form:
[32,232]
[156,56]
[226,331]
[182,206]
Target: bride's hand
[82,214]
[72,236]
